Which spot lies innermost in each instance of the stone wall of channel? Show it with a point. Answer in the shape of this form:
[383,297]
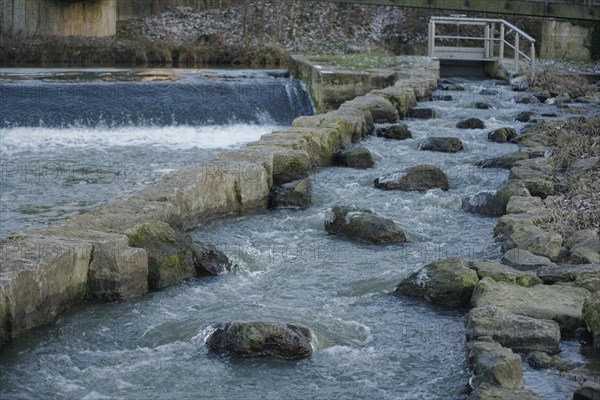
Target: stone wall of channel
[128,247]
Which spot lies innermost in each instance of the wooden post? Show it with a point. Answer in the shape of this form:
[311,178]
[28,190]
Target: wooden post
[431,42]
[532,51]
[501,50]
[486,42]
[516,52]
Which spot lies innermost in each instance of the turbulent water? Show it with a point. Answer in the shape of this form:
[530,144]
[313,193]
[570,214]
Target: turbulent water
[71,140]
[370,343]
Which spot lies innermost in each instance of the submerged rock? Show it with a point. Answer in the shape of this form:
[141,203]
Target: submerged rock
[446,282]
[471,123]
[524,116]
[452,87]
[442,144]
[261,339]
[517,332]
[356,157]
[495,365]
[396,132]
[502,135]
[363,225]
[296,194]
[419,178]
[482,106]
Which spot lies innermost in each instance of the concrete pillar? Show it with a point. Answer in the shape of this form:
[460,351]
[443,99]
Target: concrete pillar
[562,39]
[92,18]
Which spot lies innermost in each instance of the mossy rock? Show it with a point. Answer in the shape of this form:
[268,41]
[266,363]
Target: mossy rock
[169,253]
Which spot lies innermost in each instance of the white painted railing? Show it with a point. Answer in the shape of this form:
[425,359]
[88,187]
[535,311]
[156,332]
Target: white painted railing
[494,41]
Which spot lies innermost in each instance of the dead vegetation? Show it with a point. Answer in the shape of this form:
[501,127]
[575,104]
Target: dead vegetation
[555,84]
[575,145]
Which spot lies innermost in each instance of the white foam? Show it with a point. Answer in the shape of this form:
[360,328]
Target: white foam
[15,140]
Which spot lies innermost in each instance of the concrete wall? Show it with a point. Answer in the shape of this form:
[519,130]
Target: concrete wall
[562,39]
[94,18]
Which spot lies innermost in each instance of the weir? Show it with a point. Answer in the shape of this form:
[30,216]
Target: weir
[127,247]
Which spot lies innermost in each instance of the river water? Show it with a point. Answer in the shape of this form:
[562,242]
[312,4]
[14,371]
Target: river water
[370,343]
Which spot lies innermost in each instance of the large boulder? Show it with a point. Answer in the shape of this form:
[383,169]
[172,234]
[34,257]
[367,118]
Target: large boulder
[505,161]
[447,282]
[396,132]
[584,255]
[502,273]
[209,261]
[517,332]
[589,391]
[261,339]
[356,157]
[495,365]
[584,238]
[502,135]
[491,392]
[471,123]
[552,274]
[524,260]
[442,144]
[591,315]
[419,178]
[562,304]
[363,225]
[524,204]
[519,231]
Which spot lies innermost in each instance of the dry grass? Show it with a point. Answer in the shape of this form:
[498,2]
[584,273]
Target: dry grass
[578,206]
[575,86]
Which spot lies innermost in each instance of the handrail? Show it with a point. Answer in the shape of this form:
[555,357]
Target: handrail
[489,39]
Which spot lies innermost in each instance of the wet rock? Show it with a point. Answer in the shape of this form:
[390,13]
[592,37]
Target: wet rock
[589,391]
[542,96]
[356,157]
[527,99]
[419,178]
[549,115]
[442,144]
[471,123]
[261,339]
[562,304]
[495,365]
[446,282]
[296,194]
[488,92]
[452,87]
[363,225]
[505,161]
[517,332]
[421,113]
[502,135]
[503,273]
[541,360]
[209,261]
[524,116]
[524,260]
[444,98]
[490,392]
[482,106]
[396,132]
[591,314]
[483,203]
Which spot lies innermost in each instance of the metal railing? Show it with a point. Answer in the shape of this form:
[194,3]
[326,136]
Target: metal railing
[494,41]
